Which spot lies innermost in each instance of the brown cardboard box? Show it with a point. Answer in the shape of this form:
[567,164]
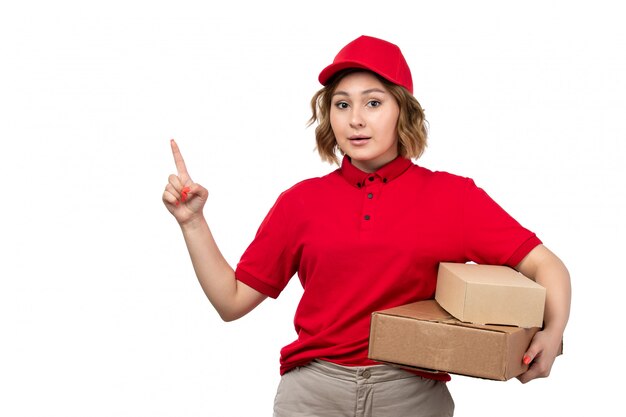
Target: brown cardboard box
[490,294]
[423,335]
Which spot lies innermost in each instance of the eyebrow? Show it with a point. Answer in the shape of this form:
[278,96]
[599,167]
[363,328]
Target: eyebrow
[371,90]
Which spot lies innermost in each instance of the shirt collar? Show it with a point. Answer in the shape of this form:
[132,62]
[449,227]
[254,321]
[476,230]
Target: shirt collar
[386,173]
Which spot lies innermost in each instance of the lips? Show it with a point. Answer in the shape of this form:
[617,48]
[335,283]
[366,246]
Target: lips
[358,139]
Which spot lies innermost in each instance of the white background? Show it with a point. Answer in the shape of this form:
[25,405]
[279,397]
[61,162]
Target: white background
[100,312]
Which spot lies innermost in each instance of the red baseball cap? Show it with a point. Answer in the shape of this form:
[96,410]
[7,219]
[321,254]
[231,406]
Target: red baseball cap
[377,55]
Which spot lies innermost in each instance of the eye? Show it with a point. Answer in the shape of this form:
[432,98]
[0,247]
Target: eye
[374,103]
[341,105]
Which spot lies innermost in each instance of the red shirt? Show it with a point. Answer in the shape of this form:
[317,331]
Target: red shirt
[363,242]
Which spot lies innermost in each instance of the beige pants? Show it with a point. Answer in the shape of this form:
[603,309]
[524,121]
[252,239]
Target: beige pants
[323,389]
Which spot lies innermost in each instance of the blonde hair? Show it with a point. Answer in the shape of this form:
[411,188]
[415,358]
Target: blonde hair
[412,129]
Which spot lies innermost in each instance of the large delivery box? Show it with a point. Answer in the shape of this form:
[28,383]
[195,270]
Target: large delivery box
[423,335]
[490,294]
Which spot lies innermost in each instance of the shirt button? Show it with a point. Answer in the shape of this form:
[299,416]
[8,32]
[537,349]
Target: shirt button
[367,374]
[358,184]
[370,195]
[367,217]
[385,180]
[371,178]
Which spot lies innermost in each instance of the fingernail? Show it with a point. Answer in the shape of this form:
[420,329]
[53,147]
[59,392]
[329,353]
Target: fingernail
[526,359]
[177,203]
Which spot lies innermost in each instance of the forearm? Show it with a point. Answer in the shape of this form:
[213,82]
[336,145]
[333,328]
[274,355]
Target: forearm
[216,276]
[554,276]
[549,271]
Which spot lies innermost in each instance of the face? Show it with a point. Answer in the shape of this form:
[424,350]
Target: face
[364,116]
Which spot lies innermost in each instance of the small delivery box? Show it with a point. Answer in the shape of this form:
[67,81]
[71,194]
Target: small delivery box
[490,294]
[424,336]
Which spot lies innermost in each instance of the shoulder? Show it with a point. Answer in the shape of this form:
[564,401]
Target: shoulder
[311,186]
[440,179]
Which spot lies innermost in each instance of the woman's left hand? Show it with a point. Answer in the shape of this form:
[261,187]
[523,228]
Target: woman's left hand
[543,350]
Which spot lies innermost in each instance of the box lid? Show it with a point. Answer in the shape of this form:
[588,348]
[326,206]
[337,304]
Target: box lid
[430,310]
[499,275]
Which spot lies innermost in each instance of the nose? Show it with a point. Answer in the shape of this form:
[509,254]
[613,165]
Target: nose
[356,119]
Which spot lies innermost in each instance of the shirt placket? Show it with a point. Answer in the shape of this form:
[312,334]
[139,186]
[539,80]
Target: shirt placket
[372,187]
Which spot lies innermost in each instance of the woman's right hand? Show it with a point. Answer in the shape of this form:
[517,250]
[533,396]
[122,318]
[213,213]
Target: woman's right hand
[182,197]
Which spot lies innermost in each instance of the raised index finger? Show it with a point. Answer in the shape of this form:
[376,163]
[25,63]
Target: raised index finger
[181,168]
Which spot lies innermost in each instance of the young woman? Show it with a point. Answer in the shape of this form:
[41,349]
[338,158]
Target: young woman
[366,237]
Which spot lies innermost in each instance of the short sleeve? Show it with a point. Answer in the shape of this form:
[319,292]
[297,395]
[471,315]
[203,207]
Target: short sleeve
[491,235]
[270,261]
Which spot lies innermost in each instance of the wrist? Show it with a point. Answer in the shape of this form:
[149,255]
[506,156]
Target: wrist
[193,223]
